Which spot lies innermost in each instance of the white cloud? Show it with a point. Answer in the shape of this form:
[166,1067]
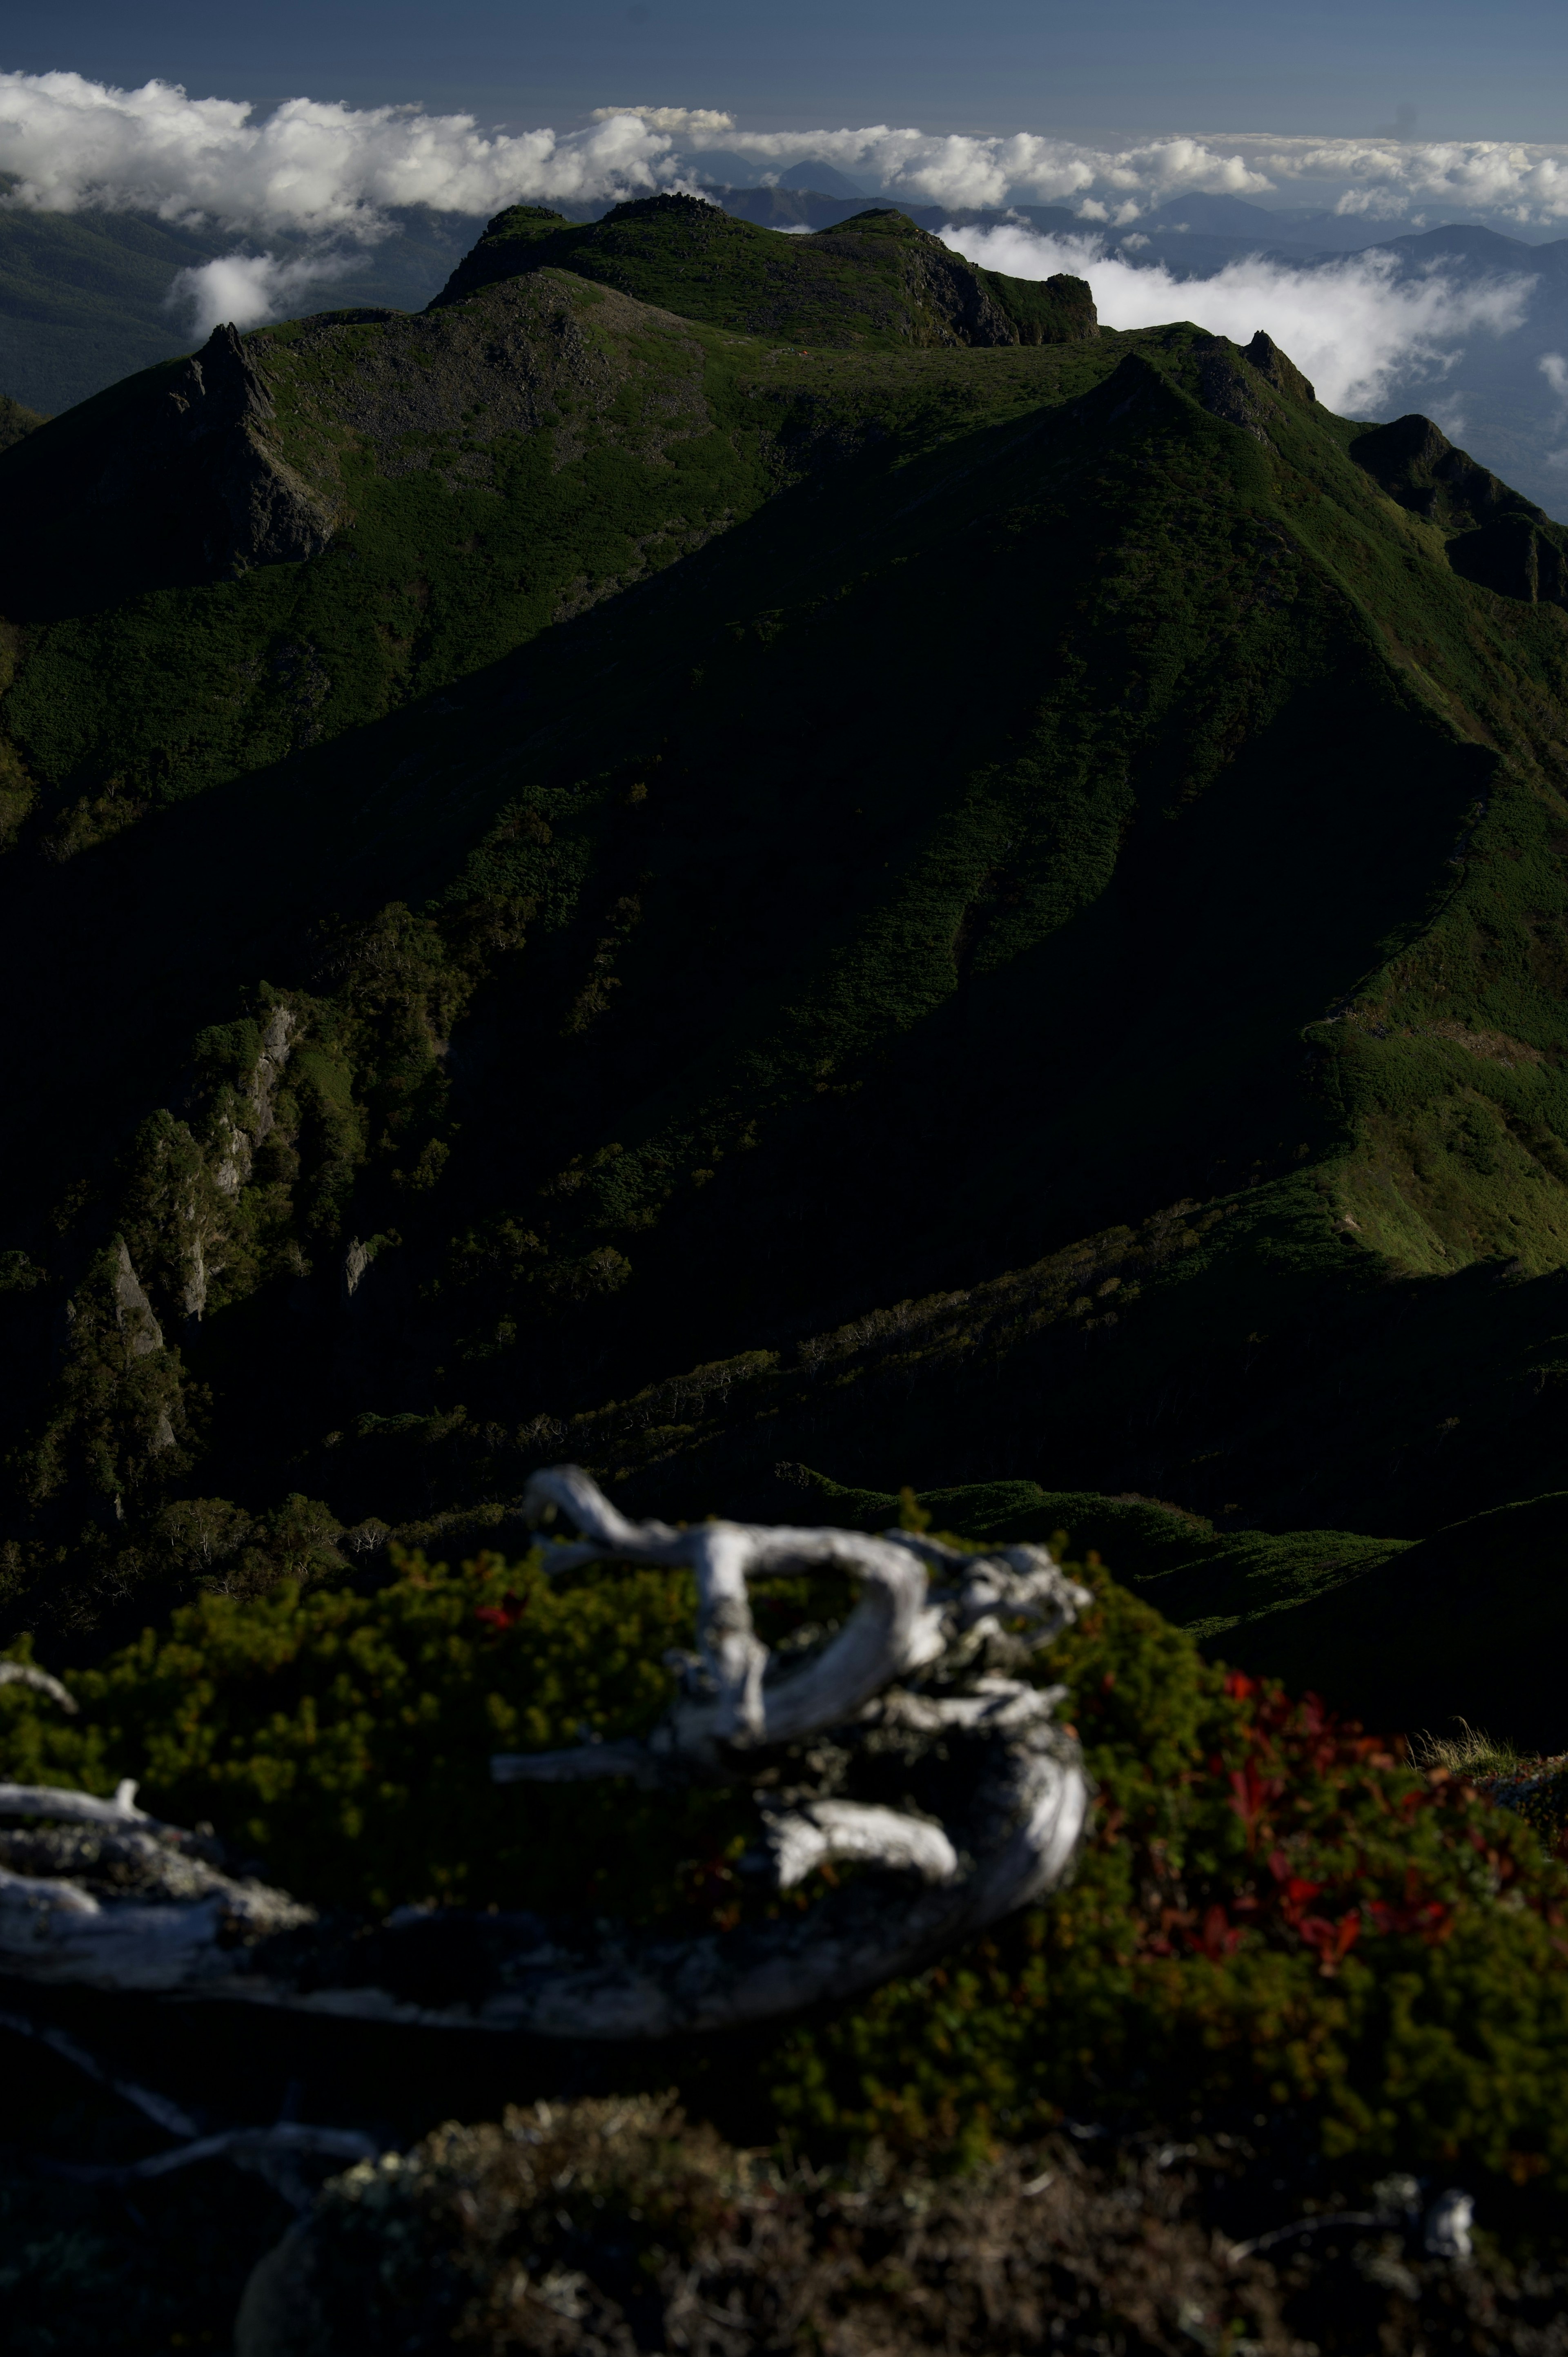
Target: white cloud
[321,168]
[1353,325]
[956,169]
[680,121]
[247,289]
[1524,181]
[1555,369]
[1386,203]
[309,165]
[1527,182]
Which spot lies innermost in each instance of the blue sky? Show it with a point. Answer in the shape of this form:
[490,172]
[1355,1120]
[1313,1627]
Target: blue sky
[1122,67]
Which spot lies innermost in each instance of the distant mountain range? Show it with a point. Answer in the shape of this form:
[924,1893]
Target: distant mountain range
[723,855]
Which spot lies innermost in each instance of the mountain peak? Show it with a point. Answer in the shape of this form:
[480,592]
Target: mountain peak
[1282,375]
[875,280]
[879,221]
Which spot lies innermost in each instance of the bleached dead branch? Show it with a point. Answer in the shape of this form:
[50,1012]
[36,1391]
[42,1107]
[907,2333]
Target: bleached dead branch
[976,1802]
[24,1674]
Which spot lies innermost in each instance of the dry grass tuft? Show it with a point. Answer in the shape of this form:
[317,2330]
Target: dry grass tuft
[1471,1752]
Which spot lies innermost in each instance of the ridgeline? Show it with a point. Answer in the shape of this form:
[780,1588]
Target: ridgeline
[729,853]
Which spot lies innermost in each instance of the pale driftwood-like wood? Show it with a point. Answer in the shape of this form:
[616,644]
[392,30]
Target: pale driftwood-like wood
[911,1694]
[24,1674]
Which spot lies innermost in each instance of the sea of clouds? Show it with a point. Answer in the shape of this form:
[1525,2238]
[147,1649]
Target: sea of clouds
[1354,325]
[317,165]
[335,175]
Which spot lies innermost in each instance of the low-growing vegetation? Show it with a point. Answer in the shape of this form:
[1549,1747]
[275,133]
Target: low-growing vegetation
[1273,1911]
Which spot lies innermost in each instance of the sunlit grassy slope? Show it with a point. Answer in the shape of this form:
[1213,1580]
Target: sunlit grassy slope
[1004,905]
[874,282]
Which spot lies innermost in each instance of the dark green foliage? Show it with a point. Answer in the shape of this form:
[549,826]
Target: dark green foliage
[874,282]
[1469,1623]
[1273,1913]
[1417,464]
[1004,909]
[346,1739]
[16,419]
[1494,536]
[1225,1588]
[1057,310]
[1270,1912]
[701,781]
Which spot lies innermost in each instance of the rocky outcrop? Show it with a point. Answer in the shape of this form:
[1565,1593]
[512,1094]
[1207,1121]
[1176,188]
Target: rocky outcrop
[15,420]
[1417,464]
[1282,373]
[1518,555]
[133,1312]
[1494,537]
[950,300]
[176,476]
[234,1167]
[214,421]
[1224,389]
[1055,310]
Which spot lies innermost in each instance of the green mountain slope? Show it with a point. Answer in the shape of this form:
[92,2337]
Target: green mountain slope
[1002,904]
[1468,1624]
[875,281]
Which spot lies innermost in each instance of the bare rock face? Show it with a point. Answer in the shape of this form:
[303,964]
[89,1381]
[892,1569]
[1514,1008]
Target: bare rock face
[1225,390]
[1282,372]
[133,1310]
[177,478]
[1494,536]
[214,418]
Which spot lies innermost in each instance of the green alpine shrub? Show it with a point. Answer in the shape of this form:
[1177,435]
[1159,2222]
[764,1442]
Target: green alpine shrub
[1272,1914]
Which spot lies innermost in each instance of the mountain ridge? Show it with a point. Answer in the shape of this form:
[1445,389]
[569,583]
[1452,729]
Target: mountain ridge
[1046,808]
[876,279]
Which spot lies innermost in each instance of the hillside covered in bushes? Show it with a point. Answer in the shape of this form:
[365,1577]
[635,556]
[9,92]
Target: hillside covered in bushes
[1279,1930]
[610,802]
[775,864]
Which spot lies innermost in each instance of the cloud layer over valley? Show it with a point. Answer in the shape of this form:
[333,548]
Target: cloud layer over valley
[283,206]
[1356,326]
[309,165]
[319,166]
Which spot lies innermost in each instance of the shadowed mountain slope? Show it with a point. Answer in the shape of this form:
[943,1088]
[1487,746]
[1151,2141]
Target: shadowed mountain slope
[1004,905]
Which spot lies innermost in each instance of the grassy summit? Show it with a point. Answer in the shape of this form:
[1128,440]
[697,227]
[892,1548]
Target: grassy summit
[875,282]
[1002,902]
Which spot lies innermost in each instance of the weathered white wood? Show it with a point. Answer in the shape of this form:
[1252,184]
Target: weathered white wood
[86,1808]
[899,1625]
[849,1831]
[24,1674]
[1016,1813]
